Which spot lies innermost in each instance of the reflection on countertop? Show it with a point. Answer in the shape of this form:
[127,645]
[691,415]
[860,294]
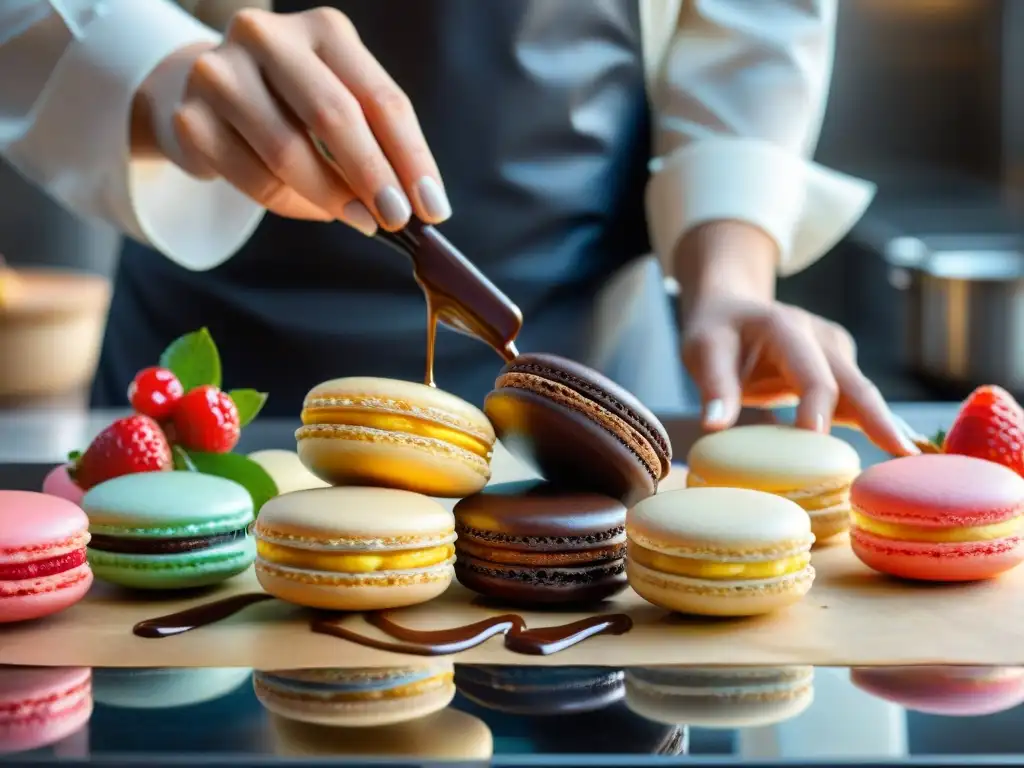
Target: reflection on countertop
[435,711]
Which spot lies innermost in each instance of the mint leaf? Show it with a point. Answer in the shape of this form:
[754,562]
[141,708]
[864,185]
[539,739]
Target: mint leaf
[241,469]
[182,461]
[194,359]
[249,403]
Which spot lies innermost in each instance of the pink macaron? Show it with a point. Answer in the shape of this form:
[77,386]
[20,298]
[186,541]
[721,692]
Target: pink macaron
[951,691]
[938,517]
[42,705]
[43,567]
[59,483]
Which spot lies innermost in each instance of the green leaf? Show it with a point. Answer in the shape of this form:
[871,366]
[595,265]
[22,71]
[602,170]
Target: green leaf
[249,403]
[241,469]
[74,456]
[182,461]
[939,438]
[194,359]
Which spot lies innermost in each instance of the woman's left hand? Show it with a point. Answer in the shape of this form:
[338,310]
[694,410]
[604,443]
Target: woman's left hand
[744,348]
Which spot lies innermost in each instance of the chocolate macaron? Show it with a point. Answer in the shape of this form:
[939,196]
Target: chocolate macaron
[532,543]
[577,428]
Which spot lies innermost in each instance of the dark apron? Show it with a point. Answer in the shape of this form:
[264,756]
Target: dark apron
[536,112]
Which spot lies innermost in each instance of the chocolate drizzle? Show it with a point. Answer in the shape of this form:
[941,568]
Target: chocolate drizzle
[414,642]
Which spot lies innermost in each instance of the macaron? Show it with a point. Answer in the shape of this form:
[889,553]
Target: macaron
[577,428]
[287,471]
[58,483]
[165,687]
[809,468]
[169,530]
[720,697]
[357,698]
[949,691]
[395,434]
[354,548]
[938,517]
[719,551]
[532,543]
[42,705]
[540,691]
[43,566]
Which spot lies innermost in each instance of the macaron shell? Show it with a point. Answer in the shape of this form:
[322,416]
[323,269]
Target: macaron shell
[45,596]
[772,458]
[526,585]
[702,597]
[165,687]
[929,561]
[59,483]
[949,691]
[49,704]
[364,456]
[540,691]
[30,522]
[287,471]
[567,448]
[201,568]
[939,490]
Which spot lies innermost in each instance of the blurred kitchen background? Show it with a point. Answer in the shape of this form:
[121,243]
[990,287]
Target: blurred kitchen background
[928,103]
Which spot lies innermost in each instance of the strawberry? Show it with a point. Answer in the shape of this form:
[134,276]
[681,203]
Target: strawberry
[154,392]
[989,425]
[129,445]
[206,419]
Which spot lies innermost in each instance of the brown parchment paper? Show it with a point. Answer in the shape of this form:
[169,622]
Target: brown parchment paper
[852,616]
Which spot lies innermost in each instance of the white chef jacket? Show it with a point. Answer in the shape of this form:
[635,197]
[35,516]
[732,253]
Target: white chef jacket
[738,90]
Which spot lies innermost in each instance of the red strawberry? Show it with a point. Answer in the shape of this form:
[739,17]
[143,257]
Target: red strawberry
[154,392]
[206,419]
[990,425]
[133,444]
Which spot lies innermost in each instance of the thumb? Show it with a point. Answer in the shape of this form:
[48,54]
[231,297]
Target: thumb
[712,360]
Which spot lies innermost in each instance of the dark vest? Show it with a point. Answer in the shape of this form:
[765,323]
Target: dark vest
[537,115]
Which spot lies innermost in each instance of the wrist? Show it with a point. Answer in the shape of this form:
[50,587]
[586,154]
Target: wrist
[726,259]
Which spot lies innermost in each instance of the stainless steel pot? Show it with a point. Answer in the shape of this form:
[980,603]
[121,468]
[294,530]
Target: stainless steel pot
[965,307]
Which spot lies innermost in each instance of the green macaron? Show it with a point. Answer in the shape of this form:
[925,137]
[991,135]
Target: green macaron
[169,530]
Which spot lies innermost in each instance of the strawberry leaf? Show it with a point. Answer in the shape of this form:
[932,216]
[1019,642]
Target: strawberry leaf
[249,403]
[182,461]
[939,438]
[241,469]
[74,456]
[194,359]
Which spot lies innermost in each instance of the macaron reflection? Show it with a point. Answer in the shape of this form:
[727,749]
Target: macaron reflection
[40,706]
[950,691]
[357,697]
[540,691]
[720,697]
[165,687]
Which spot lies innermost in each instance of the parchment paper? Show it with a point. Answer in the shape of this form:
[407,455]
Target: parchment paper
[852,616]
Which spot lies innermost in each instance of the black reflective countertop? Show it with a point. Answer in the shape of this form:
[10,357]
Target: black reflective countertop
[507,716]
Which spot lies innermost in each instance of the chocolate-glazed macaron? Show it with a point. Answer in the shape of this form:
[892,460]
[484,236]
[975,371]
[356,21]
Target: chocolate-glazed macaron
[531,543]
[577,428]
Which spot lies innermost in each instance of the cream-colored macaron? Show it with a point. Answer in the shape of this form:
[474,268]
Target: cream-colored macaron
[354,548]
[812,469]
[287,471]
[719,551]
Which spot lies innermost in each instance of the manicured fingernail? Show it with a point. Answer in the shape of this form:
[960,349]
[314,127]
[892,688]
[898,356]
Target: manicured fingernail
[714,412]
[393,207]
[358,216]
[433,200]
[819,423]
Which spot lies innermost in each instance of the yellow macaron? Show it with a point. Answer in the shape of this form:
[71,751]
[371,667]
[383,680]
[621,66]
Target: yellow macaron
[719,551]
[395,434]
[809,468]
[354,549]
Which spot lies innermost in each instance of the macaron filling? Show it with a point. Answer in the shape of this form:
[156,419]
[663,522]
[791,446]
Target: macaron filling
[353,562]
[718,570]
[38,569]
[63,563]
[933,534]
[371,686]
[159,546]
[824,497]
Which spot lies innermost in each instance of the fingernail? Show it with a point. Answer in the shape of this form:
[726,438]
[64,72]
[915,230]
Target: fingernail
[909,446]
[819,423]
[358,216]
[393,207]
[432,199]
[714,412]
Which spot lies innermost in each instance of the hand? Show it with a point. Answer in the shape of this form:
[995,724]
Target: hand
[743,348]
[246,110]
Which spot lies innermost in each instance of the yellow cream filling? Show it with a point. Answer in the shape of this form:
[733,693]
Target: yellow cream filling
[811,499]
[919,533]
[353,562]
[709,569]
[355,416]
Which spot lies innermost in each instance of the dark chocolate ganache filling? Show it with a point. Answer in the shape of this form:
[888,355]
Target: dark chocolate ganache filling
[127,546]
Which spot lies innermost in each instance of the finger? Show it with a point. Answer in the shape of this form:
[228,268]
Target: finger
[393,121]
[227,153]
[230,82]
[803,361]
[712,360]
[861,404]
[330,111]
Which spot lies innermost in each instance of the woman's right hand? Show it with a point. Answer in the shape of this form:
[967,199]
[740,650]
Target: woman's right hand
[251,104]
